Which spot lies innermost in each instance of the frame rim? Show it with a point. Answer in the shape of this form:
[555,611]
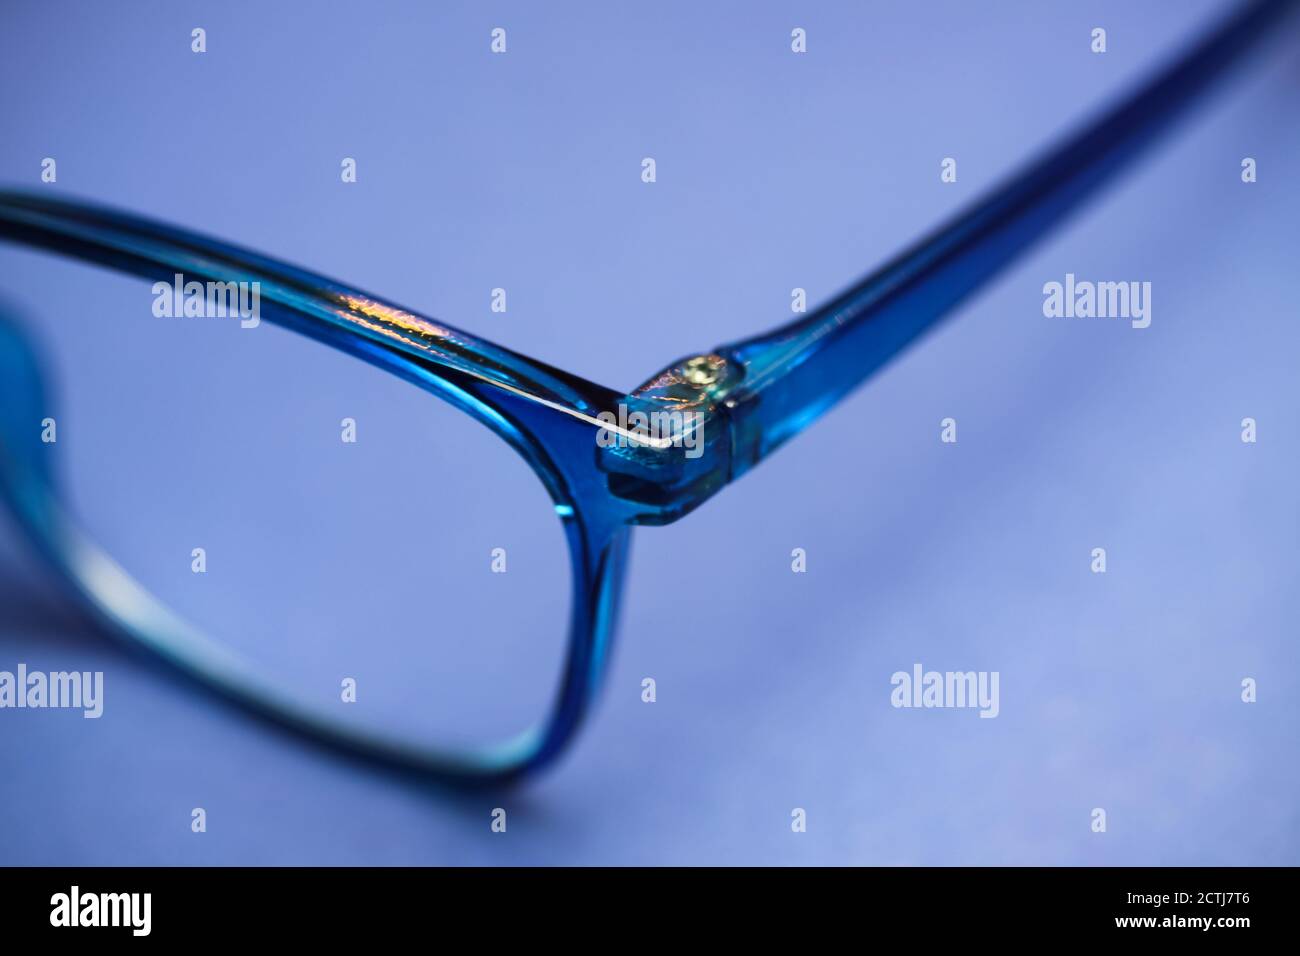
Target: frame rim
[541,413]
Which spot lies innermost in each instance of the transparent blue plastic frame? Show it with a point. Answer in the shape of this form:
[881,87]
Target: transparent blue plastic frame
[749,397]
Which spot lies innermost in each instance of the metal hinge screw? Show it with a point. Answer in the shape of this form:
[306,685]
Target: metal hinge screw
[701,370]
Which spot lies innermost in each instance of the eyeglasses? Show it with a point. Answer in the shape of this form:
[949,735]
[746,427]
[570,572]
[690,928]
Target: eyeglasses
[606,461]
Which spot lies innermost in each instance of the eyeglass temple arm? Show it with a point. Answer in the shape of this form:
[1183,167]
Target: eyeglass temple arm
[778,383]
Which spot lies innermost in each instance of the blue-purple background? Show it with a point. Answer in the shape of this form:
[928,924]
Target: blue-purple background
[1118,691]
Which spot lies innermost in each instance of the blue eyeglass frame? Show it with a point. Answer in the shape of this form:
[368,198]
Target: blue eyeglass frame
[750,396]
